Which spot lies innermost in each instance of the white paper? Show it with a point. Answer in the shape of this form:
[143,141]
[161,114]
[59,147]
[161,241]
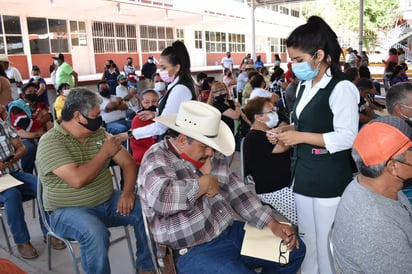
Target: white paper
[7,181]
[263,244]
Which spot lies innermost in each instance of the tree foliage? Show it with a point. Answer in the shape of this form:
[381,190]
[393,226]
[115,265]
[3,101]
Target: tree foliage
[380,16]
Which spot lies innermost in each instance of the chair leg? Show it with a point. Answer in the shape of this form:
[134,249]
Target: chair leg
[129,244]
[73,258]
[49,254]
[34,208]
[6,236]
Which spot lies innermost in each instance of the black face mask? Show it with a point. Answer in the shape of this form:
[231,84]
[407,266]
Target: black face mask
[129,63]
[107,66]
[124,83]
[32,97]
[220,97]
[151,108]
[92,124]
[105,92]
[407,182]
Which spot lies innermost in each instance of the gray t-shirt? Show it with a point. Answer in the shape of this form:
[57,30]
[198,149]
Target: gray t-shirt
[373,234]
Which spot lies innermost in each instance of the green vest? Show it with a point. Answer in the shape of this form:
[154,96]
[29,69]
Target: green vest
[321,175]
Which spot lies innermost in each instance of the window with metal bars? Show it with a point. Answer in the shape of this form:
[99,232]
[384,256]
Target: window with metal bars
[198,39]
[236,42]
[215,41]
[155,38]
[47,35]
[113,37]
[78,33]
[180,35]
[11,39]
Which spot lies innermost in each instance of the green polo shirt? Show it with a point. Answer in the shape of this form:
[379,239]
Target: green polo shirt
[64,75]
[57,148]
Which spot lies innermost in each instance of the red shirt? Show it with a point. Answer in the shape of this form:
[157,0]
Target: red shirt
[140,146]
[20,120]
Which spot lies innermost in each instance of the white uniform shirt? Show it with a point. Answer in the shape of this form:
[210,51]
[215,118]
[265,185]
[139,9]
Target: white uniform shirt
[343,102]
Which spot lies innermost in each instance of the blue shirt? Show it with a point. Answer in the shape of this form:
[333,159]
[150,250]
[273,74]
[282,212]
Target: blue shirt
[43,97]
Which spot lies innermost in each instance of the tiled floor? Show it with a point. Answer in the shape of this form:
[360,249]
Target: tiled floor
[118,253]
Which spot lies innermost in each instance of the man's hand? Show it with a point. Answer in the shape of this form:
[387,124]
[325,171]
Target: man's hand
[208,185]
[207,166]
[126,203]
[111,146]
[285,232]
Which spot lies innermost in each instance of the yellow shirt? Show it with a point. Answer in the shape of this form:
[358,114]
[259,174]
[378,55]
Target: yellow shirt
[58,105]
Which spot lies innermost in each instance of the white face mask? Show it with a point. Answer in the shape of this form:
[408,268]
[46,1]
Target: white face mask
[273,119]
[66,92]
[160,86]
[36,77]
[56,62]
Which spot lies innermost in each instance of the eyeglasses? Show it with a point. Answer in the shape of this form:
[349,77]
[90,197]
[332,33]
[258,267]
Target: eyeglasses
[283,249]
[275,109]
[405,106]
[408,164]
[396,152]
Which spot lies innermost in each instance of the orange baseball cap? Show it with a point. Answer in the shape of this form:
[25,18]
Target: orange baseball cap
[382,139]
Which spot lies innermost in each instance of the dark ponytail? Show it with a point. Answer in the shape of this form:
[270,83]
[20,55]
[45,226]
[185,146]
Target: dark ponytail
[315,35]
[178,54]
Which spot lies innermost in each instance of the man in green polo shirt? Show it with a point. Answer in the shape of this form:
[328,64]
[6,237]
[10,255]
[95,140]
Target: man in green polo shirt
[65,73]
[78,190]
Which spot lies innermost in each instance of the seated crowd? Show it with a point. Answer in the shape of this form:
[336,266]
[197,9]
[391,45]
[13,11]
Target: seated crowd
[297,146]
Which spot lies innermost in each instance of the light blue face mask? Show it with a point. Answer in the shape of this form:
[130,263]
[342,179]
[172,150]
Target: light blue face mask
[304,71]
[273,119]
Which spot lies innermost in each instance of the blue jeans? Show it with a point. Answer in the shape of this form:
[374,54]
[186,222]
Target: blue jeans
[222,255]
[27,162]
[89,226]
[12,199]
[118,126]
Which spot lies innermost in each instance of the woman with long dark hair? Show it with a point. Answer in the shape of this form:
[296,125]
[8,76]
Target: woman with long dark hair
[325,124]
[174,64]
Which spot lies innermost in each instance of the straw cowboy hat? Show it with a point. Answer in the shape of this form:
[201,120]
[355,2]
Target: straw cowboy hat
[203,123]
[4,58]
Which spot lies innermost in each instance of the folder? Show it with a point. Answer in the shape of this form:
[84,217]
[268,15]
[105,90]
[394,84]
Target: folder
[263,244]
[7,181]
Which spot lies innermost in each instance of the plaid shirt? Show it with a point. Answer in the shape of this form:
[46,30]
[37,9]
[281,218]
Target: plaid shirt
[168,187]
[7,133]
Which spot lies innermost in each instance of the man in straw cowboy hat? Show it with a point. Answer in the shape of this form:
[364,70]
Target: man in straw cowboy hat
[373,222]
[190,198]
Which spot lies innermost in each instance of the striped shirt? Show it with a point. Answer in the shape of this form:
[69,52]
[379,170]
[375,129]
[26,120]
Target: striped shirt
[168,188]
[57,148]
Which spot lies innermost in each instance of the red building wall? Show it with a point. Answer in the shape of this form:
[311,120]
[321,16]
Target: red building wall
[43,61]
[20,62]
